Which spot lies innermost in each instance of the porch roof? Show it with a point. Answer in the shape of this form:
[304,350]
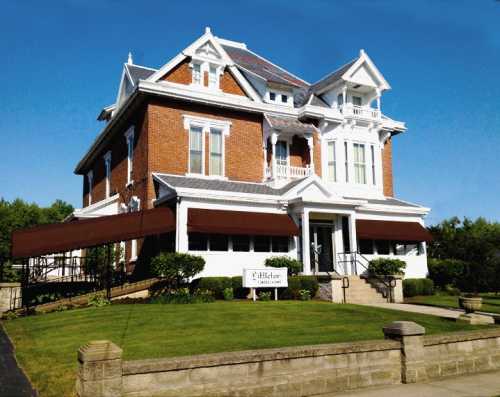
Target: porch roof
[391,230]
[240,222]
[64,237]
[289,124]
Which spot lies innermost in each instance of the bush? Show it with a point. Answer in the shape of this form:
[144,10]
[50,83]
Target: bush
[294,266]
[298,283]
[216,285]
[228,294]
[417,286]
[97,300]
[386,266]
[446,272]
[176,268]
[183,296]
[238,290]
[305,295]
[265,296]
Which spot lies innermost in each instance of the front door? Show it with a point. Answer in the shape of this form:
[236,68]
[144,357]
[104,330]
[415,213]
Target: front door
[322,247]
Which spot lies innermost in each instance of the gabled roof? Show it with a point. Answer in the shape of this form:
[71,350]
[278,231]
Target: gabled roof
[247,60]
[137,72]
[333,77]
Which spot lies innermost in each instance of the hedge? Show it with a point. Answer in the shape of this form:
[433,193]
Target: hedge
[217,285]
[417,286]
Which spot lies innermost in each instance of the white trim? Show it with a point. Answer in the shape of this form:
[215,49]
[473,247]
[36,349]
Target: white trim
[364,58]
[107,171]
[90,183]
[190,126]
[130,138]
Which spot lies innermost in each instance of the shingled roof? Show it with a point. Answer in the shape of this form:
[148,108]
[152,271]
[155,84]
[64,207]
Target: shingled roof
[289,124]
[332,77]
[138,72]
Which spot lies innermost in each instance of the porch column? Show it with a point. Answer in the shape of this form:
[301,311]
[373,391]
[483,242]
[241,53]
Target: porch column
[344,96]
[310,143]
[378,102]
[353,242]
[274,139]
[181,234]
[306,249]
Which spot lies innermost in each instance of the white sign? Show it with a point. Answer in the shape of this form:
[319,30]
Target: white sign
[269,277]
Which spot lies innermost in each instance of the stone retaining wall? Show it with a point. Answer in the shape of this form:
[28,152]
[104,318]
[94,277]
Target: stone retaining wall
[10,296]
[406,356]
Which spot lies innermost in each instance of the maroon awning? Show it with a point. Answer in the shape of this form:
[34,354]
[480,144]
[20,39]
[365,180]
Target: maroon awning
[240,222]
[391,230]
[63,237]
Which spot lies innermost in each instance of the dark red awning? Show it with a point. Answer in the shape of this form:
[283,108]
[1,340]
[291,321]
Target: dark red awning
[391,230]
[63,237]
[240,222]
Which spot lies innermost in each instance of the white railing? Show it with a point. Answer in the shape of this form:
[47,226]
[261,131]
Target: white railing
[289,172]
[360,112]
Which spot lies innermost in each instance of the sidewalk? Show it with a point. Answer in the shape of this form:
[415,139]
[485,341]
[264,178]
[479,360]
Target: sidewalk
[477,385]
[431,310]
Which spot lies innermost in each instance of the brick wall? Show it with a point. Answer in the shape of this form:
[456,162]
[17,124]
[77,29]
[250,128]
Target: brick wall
[387,168]
[229,84]
[180,74]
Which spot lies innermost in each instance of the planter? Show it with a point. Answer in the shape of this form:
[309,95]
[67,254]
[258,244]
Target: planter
[470,304]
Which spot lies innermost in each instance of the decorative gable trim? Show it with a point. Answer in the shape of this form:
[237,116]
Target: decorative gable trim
[365,59]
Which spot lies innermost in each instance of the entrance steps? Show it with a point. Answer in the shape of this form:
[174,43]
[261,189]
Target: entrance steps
[360,291]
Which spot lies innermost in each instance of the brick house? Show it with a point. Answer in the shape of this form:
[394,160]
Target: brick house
[254,162]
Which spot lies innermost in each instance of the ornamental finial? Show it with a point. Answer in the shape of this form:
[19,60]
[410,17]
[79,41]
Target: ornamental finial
[130,61]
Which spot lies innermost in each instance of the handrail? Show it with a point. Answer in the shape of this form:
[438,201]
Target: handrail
[316,262]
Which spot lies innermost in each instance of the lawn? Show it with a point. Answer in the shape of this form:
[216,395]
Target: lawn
[46,345]
[491,302]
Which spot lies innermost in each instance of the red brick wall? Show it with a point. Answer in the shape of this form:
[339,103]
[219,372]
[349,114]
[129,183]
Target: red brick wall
[229,84]
[387,169]
[181,74]
[317,153]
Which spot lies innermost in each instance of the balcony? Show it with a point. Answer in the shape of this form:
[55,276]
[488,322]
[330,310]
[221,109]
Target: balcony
[360,112]
[288,172]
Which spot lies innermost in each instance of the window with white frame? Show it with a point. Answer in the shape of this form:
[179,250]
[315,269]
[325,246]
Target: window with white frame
[374,178]
[195,150]
[281,153]
[90,183]
[332,162]
[197,74]
[340,100]
[346,162]
[107,170]
[356,101]
[216,152]
[359,163]
[129,136]
[213,80]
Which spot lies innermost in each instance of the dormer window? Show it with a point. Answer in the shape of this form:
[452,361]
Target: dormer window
[279,97]
[284,98]
[272,96]
[197,74]
[212,77]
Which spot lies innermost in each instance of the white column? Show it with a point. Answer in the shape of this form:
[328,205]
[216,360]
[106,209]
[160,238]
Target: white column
[344,96]
[352,238]
[264,149]
[181,234]
[306,258]
[310,143]
[274,139]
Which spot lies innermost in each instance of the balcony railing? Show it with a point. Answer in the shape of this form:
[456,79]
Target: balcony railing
[289,172]
[360,112]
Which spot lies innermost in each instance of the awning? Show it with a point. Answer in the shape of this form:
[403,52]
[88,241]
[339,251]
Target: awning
[63,237]
[391,230]
[240,222]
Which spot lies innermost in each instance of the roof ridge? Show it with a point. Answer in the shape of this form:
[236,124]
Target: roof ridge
[351,62]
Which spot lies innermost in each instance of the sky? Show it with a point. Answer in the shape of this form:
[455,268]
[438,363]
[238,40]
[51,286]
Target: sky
[61,62]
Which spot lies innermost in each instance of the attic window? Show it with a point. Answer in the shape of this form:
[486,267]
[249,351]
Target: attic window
[272,96]
[197,73]
[284,98]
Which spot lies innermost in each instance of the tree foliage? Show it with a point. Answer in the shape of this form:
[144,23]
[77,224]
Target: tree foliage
[476,244]
[18,214]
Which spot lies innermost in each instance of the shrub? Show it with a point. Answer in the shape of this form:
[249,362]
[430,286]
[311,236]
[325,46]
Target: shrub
[216,285]
[238,290]
[418,286]
[305,295]
[265,296]
[294,266]
[228,294]
[298,283]
[176,268]
[97,300]
[183,296]
[446,271]
[386,266]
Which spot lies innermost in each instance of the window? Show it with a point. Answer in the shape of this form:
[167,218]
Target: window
[332,162]
[340,100]
[197,73]
[129,136]
[359,163]
[212,77]
[366,247]
[272,96]
[216,152]
[107,169]
[284,98]
[241,243]
[281,153]
[374,180]
[195,150]
[218,242]
[197,242]
[262,244]
[346,162]
[279,243]
[90,183]
[383,247]
[356,101]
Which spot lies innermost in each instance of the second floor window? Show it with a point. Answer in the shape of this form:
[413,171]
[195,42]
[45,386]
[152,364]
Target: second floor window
[332,162]
[90,183]
[374,179]
[195,150]
[281,153]
[359,163]
[216,152]
[107,170]
[356,101]
[212,77]
[197,74]
[346,162]
[129,135]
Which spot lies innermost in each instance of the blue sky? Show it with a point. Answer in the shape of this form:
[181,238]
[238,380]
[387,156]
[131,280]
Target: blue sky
[61,63]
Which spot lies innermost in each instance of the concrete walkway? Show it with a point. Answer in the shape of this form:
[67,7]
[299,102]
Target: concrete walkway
[13,381]
[431,310]
[478,385]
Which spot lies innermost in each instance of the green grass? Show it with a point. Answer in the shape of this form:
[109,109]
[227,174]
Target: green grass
[46,345]
[491,303]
